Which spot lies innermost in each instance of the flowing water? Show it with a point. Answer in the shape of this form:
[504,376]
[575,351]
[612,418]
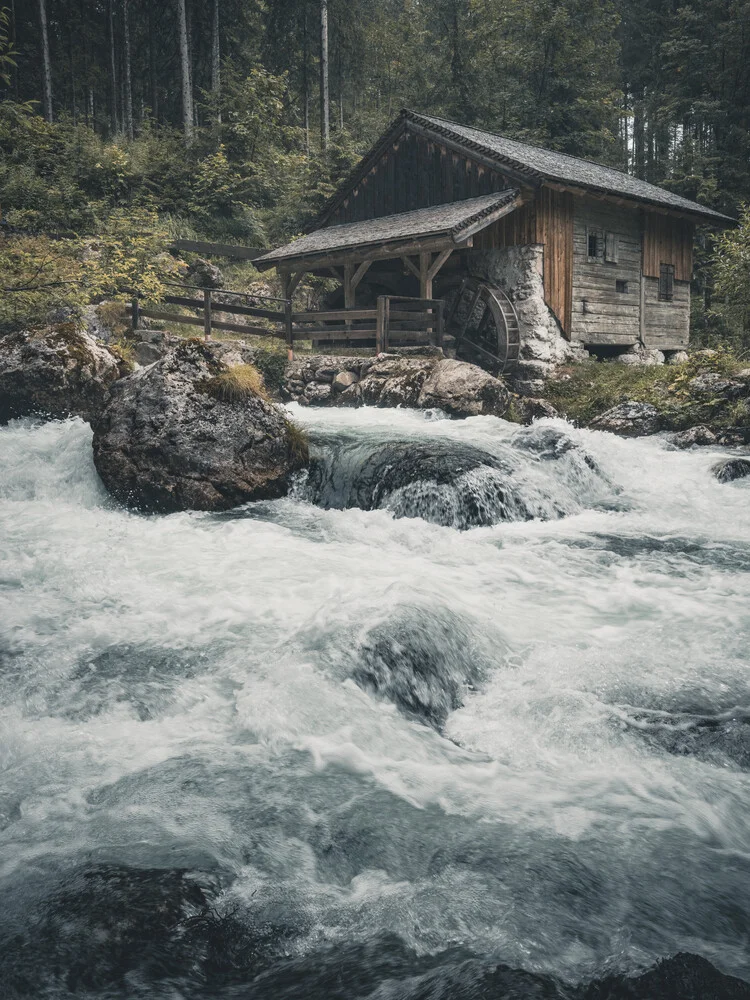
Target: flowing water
[467,716]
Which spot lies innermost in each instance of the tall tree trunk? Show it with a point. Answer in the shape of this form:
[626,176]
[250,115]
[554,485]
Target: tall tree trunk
[306,82]
[341,89]
[128,110]
[46,65]
[216,62]
[113,69]
[152,65]
[187,90]
[73,102]
[325,124]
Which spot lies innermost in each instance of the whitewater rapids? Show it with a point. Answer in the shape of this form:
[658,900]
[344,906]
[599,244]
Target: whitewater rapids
[239,751]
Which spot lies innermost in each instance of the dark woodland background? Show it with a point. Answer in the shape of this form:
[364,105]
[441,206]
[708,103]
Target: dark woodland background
[235,119]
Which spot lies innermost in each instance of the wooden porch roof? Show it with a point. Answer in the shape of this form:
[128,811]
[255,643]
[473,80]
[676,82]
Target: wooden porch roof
[447,225]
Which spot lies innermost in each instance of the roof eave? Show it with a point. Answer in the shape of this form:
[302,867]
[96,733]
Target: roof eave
[706,215]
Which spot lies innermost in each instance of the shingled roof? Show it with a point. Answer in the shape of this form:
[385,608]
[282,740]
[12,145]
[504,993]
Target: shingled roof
[454,221]
[530,164]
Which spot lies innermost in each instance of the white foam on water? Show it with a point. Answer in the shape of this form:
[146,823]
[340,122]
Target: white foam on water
[178,687]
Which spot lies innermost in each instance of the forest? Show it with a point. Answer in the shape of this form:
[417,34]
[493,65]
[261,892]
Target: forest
[134,121]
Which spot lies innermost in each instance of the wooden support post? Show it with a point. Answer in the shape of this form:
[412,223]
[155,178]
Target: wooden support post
[380,325]
[289,330]
[440,325]
[642,310]
[207,313]
[425,281]
[135,318]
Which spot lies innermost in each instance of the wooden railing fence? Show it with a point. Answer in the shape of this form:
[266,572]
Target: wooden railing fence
[396,321]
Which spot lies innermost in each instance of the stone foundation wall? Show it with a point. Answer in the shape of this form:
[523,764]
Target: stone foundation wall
[519,272]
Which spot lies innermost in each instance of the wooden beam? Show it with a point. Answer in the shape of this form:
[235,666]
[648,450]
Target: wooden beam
[359,274]
[435,266]
[410,266]
[290,280]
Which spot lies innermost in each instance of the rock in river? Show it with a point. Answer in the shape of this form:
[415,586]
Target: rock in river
[192,432]
[735,468]
[59,372]
[629,419]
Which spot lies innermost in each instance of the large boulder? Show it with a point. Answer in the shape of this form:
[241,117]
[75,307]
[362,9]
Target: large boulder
[396,381]
[629,419]
[204,274]
[463,390]
[193,432]
[57,372]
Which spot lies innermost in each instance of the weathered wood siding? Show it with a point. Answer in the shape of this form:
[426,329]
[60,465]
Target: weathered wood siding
[667,241]
[601,314]
[547,218]
[416,173]
[554,229]
[667,324]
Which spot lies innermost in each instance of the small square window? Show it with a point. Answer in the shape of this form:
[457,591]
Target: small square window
[666,282]
[593,245]
[621,286]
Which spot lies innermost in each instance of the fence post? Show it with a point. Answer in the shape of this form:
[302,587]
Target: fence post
[207,313]
[289,329]
[135,314]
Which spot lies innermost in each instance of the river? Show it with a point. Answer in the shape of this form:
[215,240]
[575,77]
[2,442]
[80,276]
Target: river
[495,727]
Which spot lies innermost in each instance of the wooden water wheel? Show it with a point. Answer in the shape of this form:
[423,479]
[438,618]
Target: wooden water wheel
[484,323]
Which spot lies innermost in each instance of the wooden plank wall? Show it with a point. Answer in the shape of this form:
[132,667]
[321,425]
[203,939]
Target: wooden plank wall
[516,229]
[601,314]
[416,173]
[667,324]
[554,229]
[667,240]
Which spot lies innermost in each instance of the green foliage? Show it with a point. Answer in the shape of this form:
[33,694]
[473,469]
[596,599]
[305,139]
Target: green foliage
[7,52]
[272,365]
[583,391]
[39,274]
[732,272]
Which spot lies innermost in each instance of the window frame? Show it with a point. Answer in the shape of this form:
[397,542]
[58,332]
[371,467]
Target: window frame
[666,282]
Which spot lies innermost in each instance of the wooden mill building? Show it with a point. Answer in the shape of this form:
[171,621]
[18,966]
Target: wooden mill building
[436,208]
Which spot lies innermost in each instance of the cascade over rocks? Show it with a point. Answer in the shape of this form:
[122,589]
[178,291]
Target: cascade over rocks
[421,381]
[629,419]
[177,436]
[59,372]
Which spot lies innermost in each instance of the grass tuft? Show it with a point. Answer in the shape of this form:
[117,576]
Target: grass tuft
[298,442]
[236,384]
